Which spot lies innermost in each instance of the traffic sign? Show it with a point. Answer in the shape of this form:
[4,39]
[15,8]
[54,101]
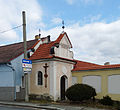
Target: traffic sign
[26,61]
[24,65]
[27,65]
[27,69]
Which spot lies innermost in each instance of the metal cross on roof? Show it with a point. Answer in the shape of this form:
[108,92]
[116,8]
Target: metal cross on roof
[39,32]
[63,25]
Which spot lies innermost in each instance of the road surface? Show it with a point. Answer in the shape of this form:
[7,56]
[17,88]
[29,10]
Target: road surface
[5,107]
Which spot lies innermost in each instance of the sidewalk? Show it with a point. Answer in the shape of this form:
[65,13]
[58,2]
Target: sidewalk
[75,107]
[47,106]
[25,104]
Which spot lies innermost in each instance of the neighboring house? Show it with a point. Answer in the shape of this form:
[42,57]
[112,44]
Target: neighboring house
[11,73]
[104,78]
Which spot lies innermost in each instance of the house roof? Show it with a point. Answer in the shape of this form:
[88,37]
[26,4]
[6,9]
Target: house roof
[43,51]
[9,52]
[81,66]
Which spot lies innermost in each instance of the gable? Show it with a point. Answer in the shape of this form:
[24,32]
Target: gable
[63,35]
[65,41]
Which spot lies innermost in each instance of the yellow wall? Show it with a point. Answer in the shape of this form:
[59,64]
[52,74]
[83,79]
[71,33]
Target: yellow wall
[104,80]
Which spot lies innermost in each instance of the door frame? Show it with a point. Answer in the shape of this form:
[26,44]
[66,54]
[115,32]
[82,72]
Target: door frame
[63,86]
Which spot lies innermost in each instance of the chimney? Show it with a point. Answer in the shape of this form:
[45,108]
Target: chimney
[37,36]
[48,38]
[107,63]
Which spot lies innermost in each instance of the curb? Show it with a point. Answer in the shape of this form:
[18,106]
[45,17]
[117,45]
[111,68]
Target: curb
[28,105]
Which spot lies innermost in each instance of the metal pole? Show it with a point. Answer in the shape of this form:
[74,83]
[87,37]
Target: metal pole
[25,56]
[24,34]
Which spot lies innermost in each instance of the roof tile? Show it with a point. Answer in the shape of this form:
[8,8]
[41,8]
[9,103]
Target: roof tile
[80,66]
[9,52]
[43,50]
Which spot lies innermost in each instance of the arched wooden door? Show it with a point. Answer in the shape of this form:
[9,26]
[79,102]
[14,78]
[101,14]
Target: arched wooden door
[63,86]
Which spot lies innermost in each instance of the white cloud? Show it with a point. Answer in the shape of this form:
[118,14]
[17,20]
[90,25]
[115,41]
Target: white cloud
[89,1]
[97,42]
[71,2]
[57,20]
[11,16]
[95,18]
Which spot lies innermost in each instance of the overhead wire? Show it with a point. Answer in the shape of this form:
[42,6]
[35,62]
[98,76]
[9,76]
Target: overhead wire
[10,29]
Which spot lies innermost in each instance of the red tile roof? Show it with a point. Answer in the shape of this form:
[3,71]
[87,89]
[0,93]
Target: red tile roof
[80,66]
[9,52]
[43,50]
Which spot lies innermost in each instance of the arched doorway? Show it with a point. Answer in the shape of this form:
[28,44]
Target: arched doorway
[63,86]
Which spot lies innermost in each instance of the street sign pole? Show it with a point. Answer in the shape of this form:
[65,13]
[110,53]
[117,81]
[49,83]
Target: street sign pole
[27,66]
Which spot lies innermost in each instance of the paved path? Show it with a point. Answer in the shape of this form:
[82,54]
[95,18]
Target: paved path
[75,108]
[4,107]
[47,106]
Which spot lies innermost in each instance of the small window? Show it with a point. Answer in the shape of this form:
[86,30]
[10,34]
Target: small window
[40,78]
[52,51]
[23,81]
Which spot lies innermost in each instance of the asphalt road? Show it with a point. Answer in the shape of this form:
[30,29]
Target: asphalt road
[16,108]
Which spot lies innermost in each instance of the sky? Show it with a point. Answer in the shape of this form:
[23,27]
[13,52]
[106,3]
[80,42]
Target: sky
[93,26]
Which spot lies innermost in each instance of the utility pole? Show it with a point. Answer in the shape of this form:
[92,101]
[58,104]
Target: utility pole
[24,35]
[25,55]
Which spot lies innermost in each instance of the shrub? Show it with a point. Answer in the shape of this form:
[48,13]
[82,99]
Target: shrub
[117,104]
[80,92]
[32,96]
[106,101]
[44,97]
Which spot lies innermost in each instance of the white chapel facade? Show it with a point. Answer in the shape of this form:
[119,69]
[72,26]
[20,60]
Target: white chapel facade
[52,65]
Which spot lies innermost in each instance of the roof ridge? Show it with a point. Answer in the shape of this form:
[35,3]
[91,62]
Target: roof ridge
[111,65]
[17,43]
[87,62]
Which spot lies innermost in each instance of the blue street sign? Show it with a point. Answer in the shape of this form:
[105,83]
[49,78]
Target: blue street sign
[26,61]
[27,65]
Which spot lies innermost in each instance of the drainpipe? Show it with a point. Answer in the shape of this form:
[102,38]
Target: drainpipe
[14,78]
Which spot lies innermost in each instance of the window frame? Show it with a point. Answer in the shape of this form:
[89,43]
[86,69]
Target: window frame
[39,78]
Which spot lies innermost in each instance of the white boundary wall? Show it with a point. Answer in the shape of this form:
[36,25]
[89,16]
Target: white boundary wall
[94,81]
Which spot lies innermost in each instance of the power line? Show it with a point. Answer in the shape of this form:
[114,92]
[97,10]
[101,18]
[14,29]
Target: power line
[10,29]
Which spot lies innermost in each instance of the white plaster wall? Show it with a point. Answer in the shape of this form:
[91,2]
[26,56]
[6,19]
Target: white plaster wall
[113,84]
[74,80]
[62,69]
[64,49]
[53,79]
[94,81]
